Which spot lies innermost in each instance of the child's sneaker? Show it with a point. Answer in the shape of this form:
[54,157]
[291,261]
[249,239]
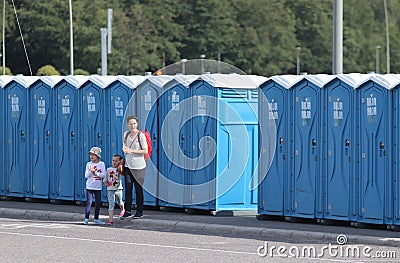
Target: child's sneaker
[98,222]
[110,223]
[122,213]
[86,221]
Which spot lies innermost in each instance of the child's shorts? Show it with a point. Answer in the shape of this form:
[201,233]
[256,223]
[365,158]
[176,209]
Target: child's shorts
[114,196]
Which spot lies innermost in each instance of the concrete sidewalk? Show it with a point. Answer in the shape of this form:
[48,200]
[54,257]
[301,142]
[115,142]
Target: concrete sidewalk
[238,226]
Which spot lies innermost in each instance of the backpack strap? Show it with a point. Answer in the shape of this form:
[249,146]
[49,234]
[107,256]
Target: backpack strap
[140,144]
[126,137]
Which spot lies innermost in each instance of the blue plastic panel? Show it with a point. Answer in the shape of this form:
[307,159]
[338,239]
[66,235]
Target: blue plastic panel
[274,190]
[340,180]
[307,146]
[92,131]
[41,118]
[396,156]
[117,99]
[375,158]
[148,112]
[3,122]
[66,143]
[172,183]
[17,148]
[203,127]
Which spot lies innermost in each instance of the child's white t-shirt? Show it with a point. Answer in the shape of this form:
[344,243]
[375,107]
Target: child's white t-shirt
[94,181]
[113,179]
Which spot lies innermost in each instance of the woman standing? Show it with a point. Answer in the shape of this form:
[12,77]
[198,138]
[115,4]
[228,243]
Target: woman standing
[135,147]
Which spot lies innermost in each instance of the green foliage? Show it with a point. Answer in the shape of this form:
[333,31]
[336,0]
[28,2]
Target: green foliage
[81,72]
[47,70]
[8,71]
[258,36]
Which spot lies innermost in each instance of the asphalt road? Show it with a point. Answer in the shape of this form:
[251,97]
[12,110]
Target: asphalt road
[44,241]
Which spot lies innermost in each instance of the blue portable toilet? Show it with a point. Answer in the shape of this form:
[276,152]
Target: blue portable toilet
[274,116]
[41,110]
[4,80]
[66,163]
[307,183]
[340,147]
[223,119]
[17,152]
[395,80]
[92,128]
[146,99]
[174,139]
[374,104]
[118,94]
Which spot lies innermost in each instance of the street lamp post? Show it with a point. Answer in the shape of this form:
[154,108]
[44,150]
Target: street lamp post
[202,56]
[387,38]
[298,60]
[71,39]
[377,59]
[183,61]
[4,43]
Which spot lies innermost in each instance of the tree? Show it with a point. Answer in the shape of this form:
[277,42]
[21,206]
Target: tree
[47,70]
[258,36]
[146,32]
[267,42]
[81,72]
[7,71]
[210,28]
[43,27]
[314,34]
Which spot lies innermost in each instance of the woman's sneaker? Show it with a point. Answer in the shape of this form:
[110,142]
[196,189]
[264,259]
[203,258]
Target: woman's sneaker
[98,222]
[86,221]
[138,215]
[126,215]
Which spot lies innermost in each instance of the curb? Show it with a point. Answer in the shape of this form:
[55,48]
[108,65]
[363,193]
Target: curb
[260,233]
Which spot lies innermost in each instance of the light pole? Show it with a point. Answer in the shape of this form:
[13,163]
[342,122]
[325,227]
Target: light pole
[298,60]
[202,56]
[387,38]
[103,37]
[337,54]
[183,61]
[377,59]
[4,43]
[219,61]
[71,39]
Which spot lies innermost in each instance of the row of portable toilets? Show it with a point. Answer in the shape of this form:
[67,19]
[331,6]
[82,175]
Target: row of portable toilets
[314,146]
[50,123]
[336,154]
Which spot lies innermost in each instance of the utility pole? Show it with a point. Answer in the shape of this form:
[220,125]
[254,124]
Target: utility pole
[103,34]
[337,58]
[387,38]
[377,59]
[71,38]
[4,38]
[106,36]
[298,60]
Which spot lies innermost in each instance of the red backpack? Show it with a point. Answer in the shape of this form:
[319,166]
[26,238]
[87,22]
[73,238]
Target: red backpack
[148,141]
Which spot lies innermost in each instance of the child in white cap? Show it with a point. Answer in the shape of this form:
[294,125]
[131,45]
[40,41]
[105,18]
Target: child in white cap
[95,172]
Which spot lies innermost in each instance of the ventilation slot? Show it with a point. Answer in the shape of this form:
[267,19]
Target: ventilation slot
[231,93]
[254,94]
